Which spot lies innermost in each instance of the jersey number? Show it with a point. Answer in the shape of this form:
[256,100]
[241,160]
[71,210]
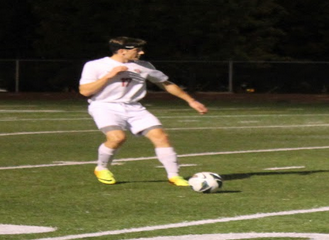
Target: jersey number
[126,81]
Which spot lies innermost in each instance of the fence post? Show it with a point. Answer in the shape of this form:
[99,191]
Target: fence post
[230,76]
[17,76]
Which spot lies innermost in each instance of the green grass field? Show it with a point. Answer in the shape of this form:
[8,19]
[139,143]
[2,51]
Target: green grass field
[273,157]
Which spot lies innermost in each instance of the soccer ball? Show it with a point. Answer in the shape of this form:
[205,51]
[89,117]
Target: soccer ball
[206,182]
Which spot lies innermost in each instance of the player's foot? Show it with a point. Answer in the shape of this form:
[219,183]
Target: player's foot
[179,181]
[105,176]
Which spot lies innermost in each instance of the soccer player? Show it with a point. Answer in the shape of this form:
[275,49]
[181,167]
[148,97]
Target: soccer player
[114,85]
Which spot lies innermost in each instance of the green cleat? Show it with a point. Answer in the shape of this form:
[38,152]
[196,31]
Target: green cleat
[105,176]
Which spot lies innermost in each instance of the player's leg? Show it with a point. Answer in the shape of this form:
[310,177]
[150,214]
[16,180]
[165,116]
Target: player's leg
[142,122]
[112,125]
[106,152]
[166,155]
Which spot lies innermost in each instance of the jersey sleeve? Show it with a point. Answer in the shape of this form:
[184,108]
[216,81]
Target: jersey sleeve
[150,72]
[156,76]
[88,74]
[145,64]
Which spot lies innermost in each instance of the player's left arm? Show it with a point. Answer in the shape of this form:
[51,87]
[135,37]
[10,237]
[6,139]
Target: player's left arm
[175,90]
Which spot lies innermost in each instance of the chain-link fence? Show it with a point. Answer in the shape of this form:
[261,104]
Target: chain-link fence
[206,76]
[40,75]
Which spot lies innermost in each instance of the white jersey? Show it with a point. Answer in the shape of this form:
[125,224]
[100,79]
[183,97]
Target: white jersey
[126,87]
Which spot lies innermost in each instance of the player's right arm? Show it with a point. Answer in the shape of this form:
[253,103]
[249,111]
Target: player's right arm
[92,88]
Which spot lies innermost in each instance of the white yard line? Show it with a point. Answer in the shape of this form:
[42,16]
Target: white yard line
[161,117]
[12,119]
[284,168]
[251,127]
[9,229]
[247,235]
[66,163]
[30,111]
[188,224]
[174,129]
[248,115]
[46,132]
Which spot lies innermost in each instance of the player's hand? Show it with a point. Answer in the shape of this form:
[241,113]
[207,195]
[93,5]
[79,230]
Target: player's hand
[114,72]
[118,69]
[199,107]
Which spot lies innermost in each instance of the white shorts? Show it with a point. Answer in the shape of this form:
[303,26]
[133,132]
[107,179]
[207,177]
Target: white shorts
[132,116]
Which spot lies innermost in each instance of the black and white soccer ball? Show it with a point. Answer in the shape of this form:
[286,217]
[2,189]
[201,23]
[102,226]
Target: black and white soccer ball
[206,182]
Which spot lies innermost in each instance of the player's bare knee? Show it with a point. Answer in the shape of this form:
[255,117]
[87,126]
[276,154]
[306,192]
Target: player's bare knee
[158,138]
[115,138]
[163,139]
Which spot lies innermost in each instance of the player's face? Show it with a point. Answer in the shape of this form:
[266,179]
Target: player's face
[134,54]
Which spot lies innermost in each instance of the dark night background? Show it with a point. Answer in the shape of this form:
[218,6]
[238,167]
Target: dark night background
[176,30]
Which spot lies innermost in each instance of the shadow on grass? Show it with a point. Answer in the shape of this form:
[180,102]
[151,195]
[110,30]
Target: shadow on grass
[235,176]
[164,181]
[146,181]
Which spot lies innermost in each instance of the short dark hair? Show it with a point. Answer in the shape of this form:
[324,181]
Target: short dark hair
[125,43]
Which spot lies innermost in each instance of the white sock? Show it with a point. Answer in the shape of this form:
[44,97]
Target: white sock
[105,157]
[167,156]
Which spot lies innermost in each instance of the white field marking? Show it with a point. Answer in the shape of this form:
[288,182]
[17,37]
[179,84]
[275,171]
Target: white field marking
[210,109]
[10,106]
[180,156]
[189,109]
[45,132]
[71,163]
[315,122]
[220,109]
[172,129]
[284,168]
[23,229]
[181,165]
[250,127]
[30,111]
[42,119]
[189,120]
[236,236]
[248,121]
[188,224]
[178,117]
[247,115]
[64,163]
